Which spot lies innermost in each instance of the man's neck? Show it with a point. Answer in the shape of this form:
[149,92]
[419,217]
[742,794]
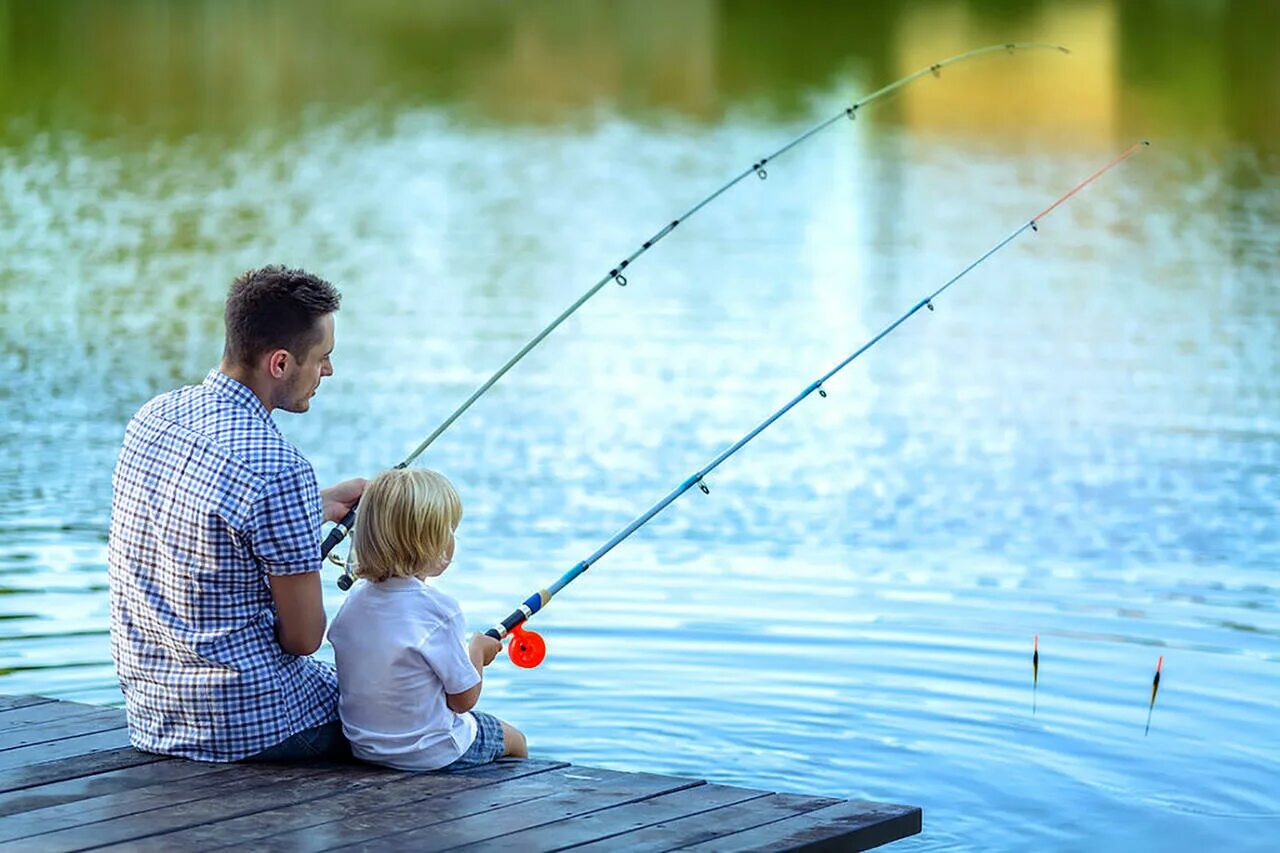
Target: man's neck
[250,380]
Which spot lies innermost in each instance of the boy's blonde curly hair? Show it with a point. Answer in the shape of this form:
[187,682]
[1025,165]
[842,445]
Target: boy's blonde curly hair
[405,525]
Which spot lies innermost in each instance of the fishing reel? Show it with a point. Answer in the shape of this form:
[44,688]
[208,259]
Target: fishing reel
[526,648]
[346,578]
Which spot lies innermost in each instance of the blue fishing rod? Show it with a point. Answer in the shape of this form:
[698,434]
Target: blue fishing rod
[617,274]
[527,648]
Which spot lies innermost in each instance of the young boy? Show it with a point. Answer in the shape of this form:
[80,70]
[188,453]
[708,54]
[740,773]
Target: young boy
[406,685]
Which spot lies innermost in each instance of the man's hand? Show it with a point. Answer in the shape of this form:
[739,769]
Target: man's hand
[340,499]
[483,649]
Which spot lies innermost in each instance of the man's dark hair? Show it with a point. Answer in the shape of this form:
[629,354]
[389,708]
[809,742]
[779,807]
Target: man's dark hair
[275,308]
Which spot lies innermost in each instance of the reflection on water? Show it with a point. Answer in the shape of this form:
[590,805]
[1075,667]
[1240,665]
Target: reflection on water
[1081,442]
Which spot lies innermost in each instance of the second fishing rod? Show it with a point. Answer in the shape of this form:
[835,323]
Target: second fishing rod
[527,648]
[617,272]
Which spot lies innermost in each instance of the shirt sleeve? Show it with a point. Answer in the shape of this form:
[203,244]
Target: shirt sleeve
[446,655]
[284,523]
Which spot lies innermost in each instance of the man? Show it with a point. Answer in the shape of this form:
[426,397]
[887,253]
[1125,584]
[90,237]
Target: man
[214,552]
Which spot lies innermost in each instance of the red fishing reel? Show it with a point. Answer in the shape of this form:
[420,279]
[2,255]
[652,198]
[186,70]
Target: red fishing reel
[526,649]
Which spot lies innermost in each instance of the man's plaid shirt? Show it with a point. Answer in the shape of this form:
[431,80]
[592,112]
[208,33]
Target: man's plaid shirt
[208,499]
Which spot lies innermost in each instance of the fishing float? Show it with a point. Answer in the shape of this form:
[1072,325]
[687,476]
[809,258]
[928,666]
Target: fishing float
[527,648]
[1155,687]
[1035,671]
[616,273]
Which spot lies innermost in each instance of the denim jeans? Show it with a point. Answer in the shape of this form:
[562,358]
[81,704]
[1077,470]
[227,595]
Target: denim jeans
[322,743]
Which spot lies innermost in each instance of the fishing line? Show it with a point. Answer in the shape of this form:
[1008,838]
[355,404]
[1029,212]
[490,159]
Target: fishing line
[527,648]
[616,273]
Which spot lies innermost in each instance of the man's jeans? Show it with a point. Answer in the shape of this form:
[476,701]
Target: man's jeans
[322,743]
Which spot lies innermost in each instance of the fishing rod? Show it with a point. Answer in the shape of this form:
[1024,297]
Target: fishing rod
[616,274]
[527,648]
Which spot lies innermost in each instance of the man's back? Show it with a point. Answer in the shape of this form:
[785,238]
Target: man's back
[208,499]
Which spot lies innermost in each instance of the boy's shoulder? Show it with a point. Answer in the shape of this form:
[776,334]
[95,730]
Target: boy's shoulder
[444,604]
[407,595]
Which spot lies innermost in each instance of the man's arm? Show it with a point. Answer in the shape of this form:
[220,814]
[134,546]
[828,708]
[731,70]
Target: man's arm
[283,533]
[300,618]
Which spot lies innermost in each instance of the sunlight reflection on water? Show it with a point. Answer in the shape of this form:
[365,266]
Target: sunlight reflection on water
[1081,442]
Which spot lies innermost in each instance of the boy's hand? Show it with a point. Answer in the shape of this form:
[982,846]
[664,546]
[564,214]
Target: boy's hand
[338,500]
[484,647]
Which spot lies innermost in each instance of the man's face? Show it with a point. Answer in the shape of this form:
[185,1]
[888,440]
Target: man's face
[306,370]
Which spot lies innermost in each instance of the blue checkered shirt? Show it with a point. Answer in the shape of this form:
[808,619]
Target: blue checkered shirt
[208,498]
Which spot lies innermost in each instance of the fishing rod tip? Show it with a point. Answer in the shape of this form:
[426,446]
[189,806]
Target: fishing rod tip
[1064,48]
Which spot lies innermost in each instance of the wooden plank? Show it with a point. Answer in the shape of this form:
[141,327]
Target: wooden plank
[625,818]
[375,799]
[101,784]
[710,825]
[74,767]
[100,720]
[68,781]
[849,825]
[256,790]
[44,712]
[250,789]
[506,809]
[10,702]
[140,798]
[65,748]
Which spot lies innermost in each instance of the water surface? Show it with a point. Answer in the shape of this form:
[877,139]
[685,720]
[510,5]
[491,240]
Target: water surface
[1080,443]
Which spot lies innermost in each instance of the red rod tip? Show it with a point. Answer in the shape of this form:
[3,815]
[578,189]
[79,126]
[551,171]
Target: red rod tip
[1160,663]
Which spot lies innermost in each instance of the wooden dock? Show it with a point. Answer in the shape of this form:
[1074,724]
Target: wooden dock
[70,781]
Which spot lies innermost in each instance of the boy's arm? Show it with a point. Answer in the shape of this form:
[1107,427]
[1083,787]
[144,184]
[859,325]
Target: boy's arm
[482,650]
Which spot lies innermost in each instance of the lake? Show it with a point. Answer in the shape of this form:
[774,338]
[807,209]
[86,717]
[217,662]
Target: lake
[1082,443]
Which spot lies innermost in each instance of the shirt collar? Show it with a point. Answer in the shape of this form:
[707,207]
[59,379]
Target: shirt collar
[400,582]
[222,384]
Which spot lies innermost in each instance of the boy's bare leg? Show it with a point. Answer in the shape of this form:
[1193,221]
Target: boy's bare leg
[513,742]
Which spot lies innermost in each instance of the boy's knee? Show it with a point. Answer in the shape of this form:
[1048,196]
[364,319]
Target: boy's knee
[513,742]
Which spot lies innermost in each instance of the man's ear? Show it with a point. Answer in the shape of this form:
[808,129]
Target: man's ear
[277,361]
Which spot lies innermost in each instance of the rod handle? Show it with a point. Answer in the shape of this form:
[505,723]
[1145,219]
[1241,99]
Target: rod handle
[505,627]
[531,605]
[338,533]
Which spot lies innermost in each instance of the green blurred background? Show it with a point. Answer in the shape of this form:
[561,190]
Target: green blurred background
[1208,70]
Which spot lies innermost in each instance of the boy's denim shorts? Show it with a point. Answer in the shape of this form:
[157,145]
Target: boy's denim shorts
[487,746]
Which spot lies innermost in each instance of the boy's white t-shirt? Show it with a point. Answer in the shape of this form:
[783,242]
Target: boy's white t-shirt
[399,649]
